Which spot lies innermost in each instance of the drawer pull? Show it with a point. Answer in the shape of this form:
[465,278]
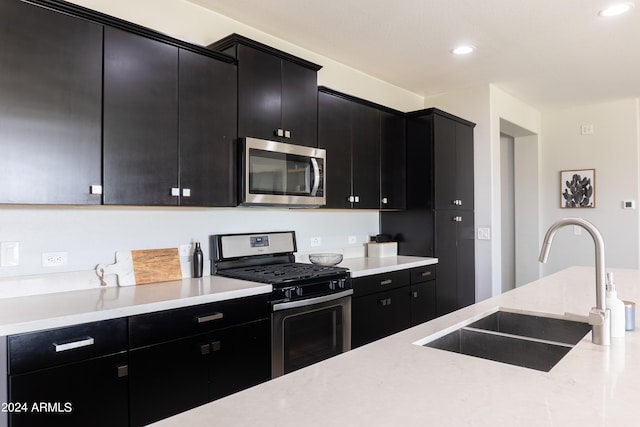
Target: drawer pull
[426,273]
[414,294]
[209,318]
[74,344]
[123,371]
[385,302]
[386,282]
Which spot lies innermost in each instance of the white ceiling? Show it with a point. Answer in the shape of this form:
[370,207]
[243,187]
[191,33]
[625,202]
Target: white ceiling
[547,53]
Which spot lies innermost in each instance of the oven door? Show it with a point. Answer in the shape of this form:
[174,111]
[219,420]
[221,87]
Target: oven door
[308,331]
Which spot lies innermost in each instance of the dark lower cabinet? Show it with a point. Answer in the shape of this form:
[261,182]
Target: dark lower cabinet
[384,304]
[50,106]
[91,392]
[71,376]
[378,315]
[423,294]
[179,375]
[183,358]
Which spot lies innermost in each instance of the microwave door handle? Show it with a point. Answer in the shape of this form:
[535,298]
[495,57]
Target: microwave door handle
[316,176]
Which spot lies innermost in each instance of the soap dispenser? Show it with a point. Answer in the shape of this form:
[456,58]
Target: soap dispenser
[616,306]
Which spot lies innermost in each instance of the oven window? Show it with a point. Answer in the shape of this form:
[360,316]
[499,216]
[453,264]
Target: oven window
[280,173]
[311,337]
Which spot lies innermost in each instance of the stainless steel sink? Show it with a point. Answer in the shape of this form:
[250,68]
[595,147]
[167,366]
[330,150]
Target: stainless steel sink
[530,341]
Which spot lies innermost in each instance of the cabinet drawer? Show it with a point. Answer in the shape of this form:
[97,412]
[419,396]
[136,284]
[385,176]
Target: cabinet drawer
[380,282]
[53,347]
[152,328]
[423,274]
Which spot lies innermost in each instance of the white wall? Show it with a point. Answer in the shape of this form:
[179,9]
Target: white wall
[613,151]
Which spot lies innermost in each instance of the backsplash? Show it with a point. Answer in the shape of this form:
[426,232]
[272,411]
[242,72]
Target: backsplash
[92,235]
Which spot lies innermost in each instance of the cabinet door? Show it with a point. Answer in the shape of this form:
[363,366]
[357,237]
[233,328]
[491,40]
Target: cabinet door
[377,315]
[168,378]
[392,161]
[179,375]
[240,358]
[464,172]
[140,120]
[456,266]
[50,106]
[207,117]
[300,104]
[334,135]
[423,302]
[259,93]
[445,162]
[365,156]
[93,392]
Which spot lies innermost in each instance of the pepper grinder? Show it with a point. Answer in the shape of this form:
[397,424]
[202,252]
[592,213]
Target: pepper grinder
[197,261]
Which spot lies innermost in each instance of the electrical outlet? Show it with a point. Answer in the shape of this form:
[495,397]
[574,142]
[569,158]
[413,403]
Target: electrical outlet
[54,259]
[353,240]
[316,241]
[186,250]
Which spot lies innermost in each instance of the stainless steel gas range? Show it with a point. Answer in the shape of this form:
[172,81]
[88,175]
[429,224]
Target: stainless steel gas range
[310,304]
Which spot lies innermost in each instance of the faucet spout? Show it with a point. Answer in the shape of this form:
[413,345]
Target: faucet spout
[599,316]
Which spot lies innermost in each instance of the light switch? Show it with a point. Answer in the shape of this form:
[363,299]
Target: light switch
[484,233]
[9,254]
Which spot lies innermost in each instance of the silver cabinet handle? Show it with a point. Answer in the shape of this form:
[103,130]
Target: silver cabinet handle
[426,273]
[175,192]
[279,132]
[209,318]
[385,200]
[386,282]
[186,192]
[456,202]
[287,134]
[74,344]
[456,219]
[357,199]
[95,189]
[385,302]
[351,199]
[122,371]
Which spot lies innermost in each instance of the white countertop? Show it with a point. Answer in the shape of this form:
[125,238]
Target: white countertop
[51,309]
[367,266]
[392,382]
[37,312]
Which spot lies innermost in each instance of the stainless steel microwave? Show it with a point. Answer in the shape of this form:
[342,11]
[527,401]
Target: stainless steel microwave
[279,174]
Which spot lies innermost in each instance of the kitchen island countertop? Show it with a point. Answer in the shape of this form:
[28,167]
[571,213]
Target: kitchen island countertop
[393,382]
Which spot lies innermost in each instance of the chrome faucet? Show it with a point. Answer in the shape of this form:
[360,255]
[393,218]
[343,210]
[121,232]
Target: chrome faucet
[599,316]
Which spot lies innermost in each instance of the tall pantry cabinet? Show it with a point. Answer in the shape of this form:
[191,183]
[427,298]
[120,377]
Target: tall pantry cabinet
[439,216]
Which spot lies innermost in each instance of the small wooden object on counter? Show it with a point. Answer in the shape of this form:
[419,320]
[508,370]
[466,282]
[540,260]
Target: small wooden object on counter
[140,267]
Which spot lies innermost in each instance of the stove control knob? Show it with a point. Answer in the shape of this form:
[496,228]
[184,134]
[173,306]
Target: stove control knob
[341,283]
[333,284]
[298,291]
[288,293]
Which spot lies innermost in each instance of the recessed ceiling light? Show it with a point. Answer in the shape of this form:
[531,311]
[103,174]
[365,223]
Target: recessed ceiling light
[463,49]
[615,9]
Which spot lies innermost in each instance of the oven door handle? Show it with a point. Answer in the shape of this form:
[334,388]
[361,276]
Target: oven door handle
[311,301]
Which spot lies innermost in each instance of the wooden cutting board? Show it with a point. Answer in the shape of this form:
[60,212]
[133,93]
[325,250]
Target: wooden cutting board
[139,267]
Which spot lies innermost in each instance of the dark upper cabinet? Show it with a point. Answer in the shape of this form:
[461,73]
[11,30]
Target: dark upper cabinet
[277,92]
[50,106]
[392,161]
[207,130]
[365,148]
[453,172]
[169,125]
[140,120]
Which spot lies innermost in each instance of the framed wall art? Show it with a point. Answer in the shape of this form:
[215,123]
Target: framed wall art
[578,188]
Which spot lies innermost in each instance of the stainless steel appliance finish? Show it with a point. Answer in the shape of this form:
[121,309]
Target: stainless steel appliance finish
[279,174]
[310,304]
